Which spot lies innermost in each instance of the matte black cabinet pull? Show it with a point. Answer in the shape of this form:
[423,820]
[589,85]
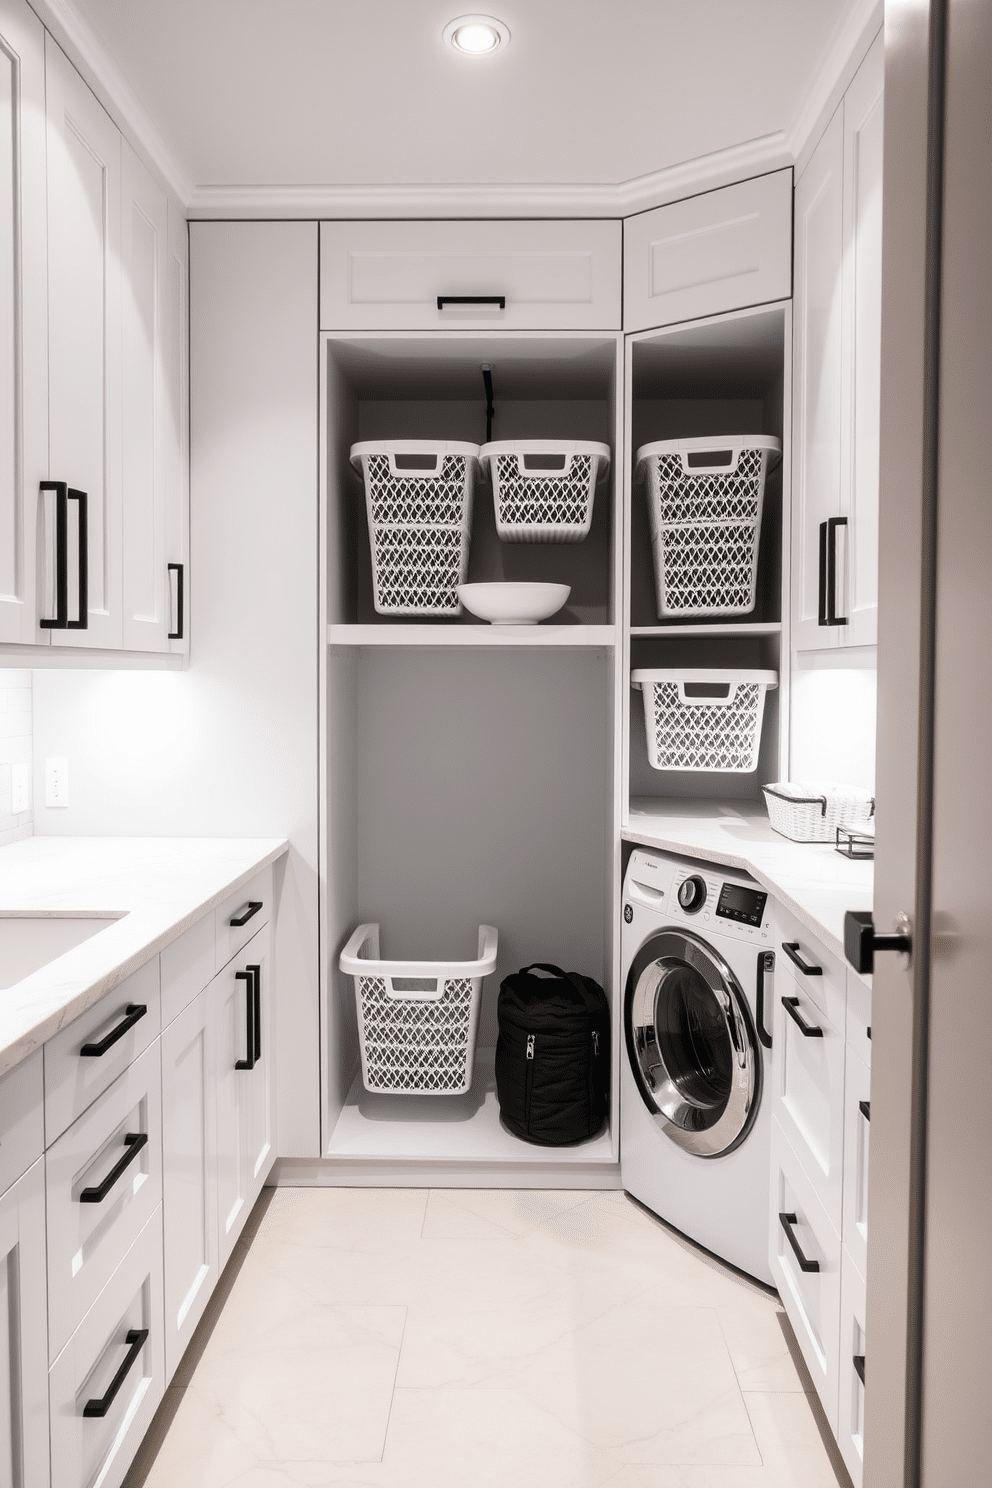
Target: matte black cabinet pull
[827,605]
[808,968]
[248,977]
[133,1141]
[177,634]
[808,1030]
[805,1264]
[859,1366]
[499,300]
[256,996]
[63,495]
[132,1014]
[135,1339]
[254,905]
[865,1108]
[766,964]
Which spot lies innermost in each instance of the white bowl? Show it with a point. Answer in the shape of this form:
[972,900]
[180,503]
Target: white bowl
[513,604]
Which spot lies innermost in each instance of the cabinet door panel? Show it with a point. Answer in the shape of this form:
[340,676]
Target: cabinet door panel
[24,1329]
[817,378]
[144,316]
[863,112]
[84,253]
[857,1130]
[809,1088]
[176,432]
[851,1395]
[23,317]
[188,1166]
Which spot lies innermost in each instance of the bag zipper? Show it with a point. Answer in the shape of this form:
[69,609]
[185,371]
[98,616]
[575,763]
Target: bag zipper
[529,1082]
[591,1093]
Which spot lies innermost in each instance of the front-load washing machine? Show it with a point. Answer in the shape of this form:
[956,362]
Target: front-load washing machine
[695,1117]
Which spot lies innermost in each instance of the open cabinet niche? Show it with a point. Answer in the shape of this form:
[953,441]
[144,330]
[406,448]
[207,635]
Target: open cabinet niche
[469,786]
[720,377]
[408,386]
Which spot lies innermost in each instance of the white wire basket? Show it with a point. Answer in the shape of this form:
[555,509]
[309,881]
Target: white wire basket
[418,495]
[543,489]
[805,811]
[417,1020]
[703,719]
[705,499]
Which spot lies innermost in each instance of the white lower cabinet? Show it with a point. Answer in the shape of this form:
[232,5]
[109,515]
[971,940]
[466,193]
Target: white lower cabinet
[240,1012]
[104,1180]
[189,1184]
[851,1394]
[106,1384]
[809,1079]
[805,1262]
[24,1330]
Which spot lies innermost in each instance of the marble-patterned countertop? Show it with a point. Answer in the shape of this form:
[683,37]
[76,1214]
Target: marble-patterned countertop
[812,880]
[158,886]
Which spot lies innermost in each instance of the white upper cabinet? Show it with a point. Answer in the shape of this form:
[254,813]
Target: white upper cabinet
[722,250]
[546,275]
[84,284]
[23,317]
[837,374]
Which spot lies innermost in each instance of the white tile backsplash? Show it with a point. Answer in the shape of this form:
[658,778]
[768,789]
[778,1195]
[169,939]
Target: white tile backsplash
[16,737]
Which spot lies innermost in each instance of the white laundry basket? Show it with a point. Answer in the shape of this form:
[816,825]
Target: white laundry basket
[705,499]
[417,1020]
[805,811]
[543,489]
[418,495]
[716,725]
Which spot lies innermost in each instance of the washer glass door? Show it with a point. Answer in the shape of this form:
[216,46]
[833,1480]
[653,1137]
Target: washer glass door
[691,1043]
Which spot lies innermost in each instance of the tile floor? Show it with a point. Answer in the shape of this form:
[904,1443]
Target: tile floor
[443,1338]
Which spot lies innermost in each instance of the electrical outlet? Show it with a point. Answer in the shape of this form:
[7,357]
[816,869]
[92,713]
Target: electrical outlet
[56,782]
[20,788]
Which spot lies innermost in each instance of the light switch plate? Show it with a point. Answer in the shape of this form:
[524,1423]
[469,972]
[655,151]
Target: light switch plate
[56,782]
[20,788]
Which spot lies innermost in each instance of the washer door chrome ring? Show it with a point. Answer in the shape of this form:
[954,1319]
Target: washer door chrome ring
[705,1117]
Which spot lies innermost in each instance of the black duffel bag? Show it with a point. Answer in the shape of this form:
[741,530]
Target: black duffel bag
[552,1055]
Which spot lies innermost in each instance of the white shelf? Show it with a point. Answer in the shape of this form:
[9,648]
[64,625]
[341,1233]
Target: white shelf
[429,634]
[445,1128]
[757,627]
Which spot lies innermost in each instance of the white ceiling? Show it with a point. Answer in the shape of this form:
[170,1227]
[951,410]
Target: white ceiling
[344,92]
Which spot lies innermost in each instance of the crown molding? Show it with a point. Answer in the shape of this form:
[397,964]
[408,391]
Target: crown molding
[623,199]
[89,56]
[861,25]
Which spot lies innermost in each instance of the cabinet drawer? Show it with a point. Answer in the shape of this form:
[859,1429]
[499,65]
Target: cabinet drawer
[718,251]
[825,982]
[22,1118]
[88,1235]
[390,275]
[809,1090]
[99,1448]
[73,1079]
[859,1015]
[811,1298]
[230,937]
[24,1389]
[851,1392]
[857,1126]
[188,964]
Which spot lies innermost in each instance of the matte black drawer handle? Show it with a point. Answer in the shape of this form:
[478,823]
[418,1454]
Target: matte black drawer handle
[254,905]
[135,1338]
[256,975]
[63,495]
[249,977]
[133,1141]
[132,1013]
[499,300]
[827,603]
[791,949]
[859,1366]
[805,1264]
[865,1108]
[177,634]
[808,1030]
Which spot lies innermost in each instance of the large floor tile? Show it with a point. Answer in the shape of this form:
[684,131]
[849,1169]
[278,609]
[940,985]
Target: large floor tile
[476,1213]
[758,1347]
[791,1446]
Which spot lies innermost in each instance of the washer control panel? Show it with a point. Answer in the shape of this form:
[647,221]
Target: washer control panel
[697,893]
[738,902]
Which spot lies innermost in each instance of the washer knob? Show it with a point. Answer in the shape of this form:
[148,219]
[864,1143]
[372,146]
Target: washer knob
[692,894]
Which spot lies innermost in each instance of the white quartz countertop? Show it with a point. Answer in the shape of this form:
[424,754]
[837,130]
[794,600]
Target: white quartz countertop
[158,886]
[813,880]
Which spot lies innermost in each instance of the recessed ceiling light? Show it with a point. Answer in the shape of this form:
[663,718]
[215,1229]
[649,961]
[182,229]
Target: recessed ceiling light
[476,35]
